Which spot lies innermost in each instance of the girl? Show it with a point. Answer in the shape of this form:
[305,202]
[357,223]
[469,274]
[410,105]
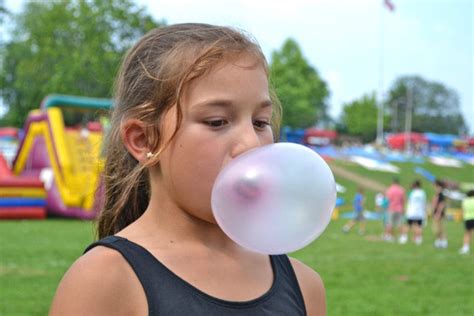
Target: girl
[415,214]
[439,207]
[189,98]
[468,215]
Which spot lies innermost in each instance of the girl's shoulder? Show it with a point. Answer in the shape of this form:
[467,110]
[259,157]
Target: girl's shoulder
[100,282]
[312,288]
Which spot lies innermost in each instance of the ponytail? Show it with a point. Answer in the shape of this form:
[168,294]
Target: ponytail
[127,191]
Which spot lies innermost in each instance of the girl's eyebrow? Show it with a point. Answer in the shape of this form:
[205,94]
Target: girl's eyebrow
[213,103]
[266,103]
[224,103]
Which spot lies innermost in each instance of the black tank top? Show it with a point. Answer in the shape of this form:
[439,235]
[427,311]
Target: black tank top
[168,294]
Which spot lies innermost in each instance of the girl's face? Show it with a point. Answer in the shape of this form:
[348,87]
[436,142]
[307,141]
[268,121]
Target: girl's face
[225,113]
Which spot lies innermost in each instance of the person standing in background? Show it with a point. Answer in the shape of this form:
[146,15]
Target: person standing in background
[396,200]
[468,215]
[415,214]
[358,205]
[381,205]
[439,209]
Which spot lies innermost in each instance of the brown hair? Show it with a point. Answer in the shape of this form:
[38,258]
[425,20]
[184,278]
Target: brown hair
[440,183]
[151,80]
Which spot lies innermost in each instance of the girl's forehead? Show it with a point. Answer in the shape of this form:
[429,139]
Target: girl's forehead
[229,68]
[229,72]
[244,60]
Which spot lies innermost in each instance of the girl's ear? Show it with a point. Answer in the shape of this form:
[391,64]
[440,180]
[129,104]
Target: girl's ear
[133,133]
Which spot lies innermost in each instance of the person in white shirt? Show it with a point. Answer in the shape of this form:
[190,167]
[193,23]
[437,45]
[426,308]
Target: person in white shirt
[415,214]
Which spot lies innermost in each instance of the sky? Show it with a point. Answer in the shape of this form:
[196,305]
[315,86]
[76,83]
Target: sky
[357,46]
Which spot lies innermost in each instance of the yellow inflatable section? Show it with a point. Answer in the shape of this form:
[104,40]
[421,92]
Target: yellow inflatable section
[68,160]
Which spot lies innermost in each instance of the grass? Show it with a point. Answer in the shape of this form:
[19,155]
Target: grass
[33,257]
[363,276]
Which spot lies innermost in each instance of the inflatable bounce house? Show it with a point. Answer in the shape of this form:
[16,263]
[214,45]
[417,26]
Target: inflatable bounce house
[58,162]
[20,197]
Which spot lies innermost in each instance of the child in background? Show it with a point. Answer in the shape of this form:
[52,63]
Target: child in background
[415,214]
[381,205]
[358,205]
[468,215]
[439,209]
[189,98]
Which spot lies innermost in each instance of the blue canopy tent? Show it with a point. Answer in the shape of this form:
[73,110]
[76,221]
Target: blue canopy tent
[441,141]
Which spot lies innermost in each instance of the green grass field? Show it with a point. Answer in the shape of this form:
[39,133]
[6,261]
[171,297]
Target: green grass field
[33,257]
[363,276]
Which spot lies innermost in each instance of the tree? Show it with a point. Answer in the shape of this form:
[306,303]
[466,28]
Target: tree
[3,11]
[359,118]
[302,92]
[71,47]
[435,107]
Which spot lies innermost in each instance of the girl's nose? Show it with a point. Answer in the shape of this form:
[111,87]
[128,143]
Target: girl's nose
[246,138]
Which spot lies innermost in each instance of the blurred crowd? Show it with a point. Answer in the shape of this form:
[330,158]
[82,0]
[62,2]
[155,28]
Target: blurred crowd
[405,213]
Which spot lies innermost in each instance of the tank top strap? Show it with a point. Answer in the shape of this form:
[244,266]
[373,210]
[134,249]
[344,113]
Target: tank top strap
[137,258]
[284,270]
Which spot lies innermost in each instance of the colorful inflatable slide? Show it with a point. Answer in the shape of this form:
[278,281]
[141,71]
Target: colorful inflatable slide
[20,197]
[67,160]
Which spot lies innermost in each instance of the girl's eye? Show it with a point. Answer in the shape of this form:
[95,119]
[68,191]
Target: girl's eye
[261,124]
[216,123]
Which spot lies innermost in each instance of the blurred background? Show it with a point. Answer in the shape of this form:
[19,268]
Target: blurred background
[379,88]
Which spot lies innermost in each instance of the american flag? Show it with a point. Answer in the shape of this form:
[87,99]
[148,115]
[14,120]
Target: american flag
[389,4]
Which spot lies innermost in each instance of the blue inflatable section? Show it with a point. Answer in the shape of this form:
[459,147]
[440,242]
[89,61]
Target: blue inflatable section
[367,214]
[425,173]
[21,202]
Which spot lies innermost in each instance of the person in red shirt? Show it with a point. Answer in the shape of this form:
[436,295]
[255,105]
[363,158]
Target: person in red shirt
[396,202]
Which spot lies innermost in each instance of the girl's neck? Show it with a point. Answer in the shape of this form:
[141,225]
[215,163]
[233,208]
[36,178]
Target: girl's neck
[166,224]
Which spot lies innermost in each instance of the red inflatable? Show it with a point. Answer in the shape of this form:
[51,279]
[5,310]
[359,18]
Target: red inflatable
[9,132]
[22,213]
[4,169]
[398,141]
[20,182]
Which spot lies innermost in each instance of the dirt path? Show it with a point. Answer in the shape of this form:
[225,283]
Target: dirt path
[360,180]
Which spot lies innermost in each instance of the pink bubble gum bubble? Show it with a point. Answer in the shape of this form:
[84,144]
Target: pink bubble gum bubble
[274,199]
[249,185]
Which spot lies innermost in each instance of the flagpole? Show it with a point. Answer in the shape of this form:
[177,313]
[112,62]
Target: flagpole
[408,120]
[380,108]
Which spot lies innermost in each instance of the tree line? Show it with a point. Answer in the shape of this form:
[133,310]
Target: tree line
[75,47]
